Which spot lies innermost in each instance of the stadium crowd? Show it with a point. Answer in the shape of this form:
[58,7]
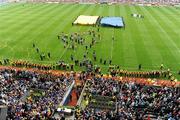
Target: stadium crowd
[17,91]
[35,95]
[152,2]
[134,101]
[120,1]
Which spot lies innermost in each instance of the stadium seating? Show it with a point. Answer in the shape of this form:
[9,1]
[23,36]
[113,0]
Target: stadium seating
[134,101]
[153,2]
[31,95]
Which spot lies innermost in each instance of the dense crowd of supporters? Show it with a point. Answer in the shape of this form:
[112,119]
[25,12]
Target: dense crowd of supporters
[101,86]
[134,101]
[16,87]
[153,2]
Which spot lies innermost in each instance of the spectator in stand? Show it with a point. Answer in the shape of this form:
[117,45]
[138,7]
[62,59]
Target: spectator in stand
[134,101]
[15,85]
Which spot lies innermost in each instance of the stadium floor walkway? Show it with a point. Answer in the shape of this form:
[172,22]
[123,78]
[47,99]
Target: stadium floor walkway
[74,100]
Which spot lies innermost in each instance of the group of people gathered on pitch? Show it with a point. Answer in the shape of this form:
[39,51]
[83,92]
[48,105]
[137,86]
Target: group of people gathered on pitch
[89,67]
[76,39]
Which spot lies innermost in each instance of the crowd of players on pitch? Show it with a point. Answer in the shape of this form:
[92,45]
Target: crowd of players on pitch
[89,57]
[134,101]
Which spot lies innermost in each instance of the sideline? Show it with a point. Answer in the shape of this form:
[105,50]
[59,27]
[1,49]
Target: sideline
[144,81]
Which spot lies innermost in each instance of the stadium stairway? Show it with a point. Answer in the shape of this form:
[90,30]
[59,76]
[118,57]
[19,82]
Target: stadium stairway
[74,99]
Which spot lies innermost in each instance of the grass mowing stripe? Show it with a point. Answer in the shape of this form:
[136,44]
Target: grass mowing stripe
[173,23]
[98,45]
[12,41]
[165,45]
[130,54]
[164,27]
[28,28]
[112,13]
[13,7]
[173,11]
[106,36]
[174,19]
[140,41]
[168,26]
[150,40]
[52,23]
[11,17]
[121,36]
[23,36]
[41,35]
[53,18]
[19,22]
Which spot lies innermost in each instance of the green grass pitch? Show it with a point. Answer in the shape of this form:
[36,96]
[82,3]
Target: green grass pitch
[149,41]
